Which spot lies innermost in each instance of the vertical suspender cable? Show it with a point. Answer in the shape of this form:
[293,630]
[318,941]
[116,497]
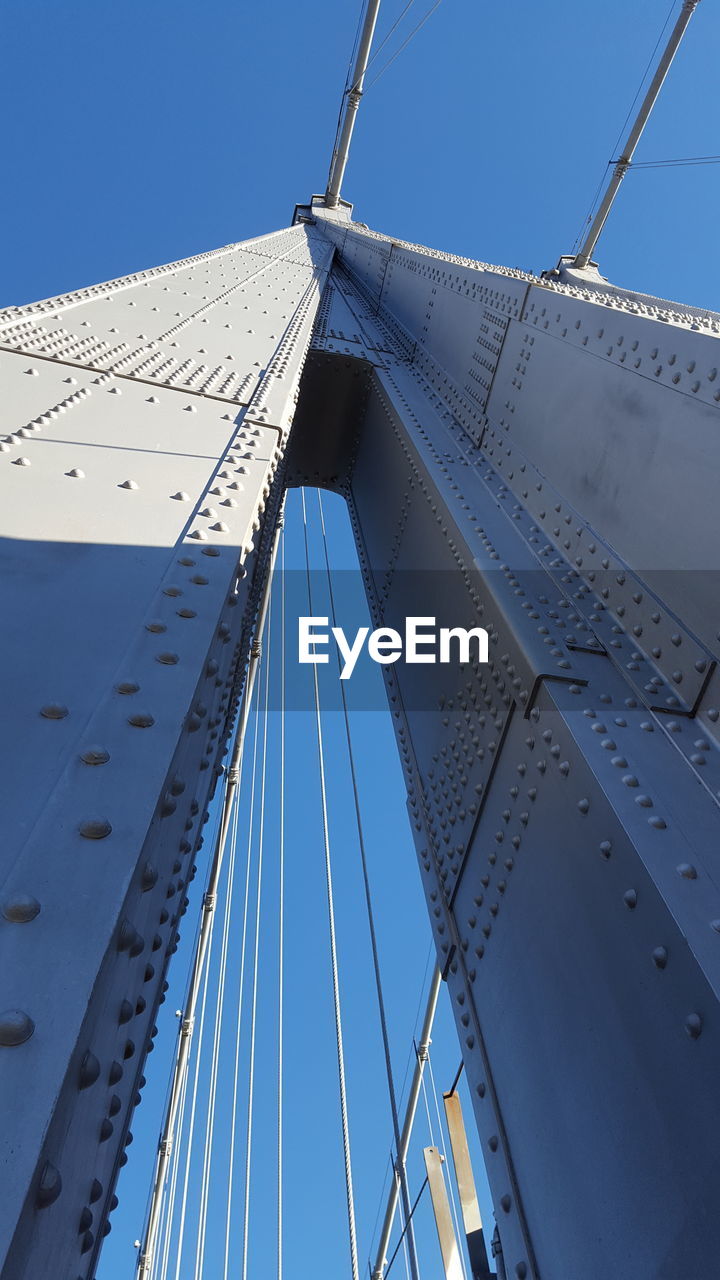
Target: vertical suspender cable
[240,998]
[333,943]
[191,1125]
[400,1169]
[215,1063]
[186,1030]
[410,1109]
[281,920]
[253,1013]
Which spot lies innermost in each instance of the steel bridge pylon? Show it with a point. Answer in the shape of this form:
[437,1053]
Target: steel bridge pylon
[534,455]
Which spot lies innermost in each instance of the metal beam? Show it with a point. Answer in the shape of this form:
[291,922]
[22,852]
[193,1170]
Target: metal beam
[472,1220]
[452,1262]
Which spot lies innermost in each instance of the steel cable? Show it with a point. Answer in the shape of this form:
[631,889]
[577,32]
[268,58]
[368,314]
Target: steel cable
[399,1169]
[333,942]
[253,1009]
[240,1000]
[281,920]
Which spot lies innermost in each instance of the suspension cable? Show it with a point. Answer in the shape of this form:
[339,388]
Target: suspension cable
[215,1062]
[281,921]
[385,39]
[616,144]
[400,1169]
[240,999]
[203,940]
[253,1007]
[191,1125]
[333,943]
[405,43]
[412,1211]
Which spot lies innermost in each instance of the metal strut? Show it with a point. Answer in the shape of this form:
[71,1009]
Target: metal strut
[623,164]
[350,106]
[206,924]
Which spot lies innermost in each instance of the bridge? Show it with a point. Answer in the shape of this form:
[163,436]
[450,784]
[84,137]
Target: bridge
[530,454]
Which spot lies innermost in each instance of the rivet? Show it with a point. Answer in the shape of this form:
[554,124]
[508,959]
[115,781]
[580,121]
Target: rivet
[127,686]
[181,496]
[115,1073]
[95,755]
[49,1186]
[21,462]
[15,1027]
[660,957]
[129,484]
[95,828]
[149,877]
[141,720]
[21,909]
[693,1025]
[156,627]
[54,711]
[126,1012]
[89,1070]
[630,899]
[167,659]
[76,474]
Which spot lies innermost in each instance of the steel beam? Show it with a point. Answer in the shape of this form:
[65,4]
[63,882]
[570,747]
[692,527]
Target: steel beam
[519,452]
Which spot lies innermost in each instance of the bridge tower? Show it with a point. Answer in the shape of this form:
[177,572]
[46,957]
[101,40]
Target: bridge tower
[533,455]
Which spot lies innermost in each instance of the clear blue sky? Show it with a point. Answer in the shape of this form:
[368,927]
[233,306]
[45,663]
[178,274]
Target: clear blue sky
[139,133]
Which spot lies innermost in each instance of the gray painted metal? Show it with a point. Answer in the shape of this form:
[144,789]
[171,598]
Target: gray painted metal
[535,455]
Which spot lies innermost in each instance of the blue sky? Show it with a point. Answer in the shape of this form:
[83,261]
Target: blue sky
[141,133]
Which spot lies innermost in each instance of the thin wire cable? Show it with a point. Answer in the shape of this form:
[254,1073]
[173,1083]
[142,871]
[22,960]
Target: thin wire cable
[348,74]
[281,921]
[170,1203]
[253,1012]
[333,943]
[405,43]
[199,1045]
[166,1102]
[670,164]
[240,1001]
[613,149]
[214,1064]
[412,1211]
[399,1170]
[385,39]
